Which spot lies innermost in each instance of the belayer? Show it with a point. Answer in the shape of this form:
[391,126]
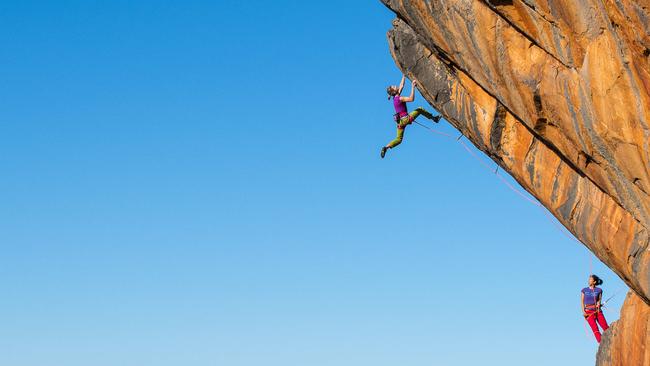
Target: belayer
[591,299]
[402,117]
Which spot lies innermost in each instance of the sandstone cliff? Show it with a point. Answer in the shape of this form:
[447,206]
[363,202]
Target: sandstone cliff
[557,92]
[626,342]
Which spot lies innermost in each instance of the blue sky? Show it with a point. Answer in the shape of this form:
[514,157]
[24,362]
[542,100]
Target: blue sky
[199,183]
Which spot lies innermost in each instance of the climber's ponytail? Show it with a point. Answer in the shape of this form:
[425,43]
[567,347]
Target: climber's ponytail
[392,91]
[597,280]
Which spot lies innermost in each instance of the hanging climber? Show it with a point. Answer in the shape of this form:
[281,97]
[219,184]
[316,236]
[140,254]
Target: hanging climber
[591,306]
[401,116]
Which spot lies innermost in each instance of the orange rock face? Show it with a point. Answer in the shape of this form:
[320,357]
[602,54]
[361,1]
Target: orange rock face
[626,342]
[557,92]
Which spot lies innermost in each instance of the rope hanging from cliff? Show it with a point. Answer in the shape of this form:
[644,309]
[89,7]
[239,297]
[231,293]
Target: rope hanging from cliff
[535,202]
[611,297]
[528,198]
[432,130]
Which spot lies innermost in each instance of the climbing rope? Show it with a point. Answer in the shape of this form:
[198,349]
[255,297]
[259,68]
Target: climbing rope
[535,202]
[548,215]
[602,304]
[432,130]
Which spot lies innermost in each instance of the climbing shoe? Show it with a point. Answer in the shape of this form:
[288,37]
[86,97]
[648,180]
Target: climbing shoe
[383,151]
[436,119]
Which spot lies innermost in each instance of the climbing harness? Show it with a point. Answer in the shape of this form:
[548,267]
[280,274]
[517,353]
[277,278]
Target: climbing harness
[595,308]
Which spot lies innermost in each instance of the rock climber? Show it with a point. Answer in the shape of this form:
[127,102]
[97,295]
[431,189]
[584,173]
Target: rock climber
[591,299]
[402,117]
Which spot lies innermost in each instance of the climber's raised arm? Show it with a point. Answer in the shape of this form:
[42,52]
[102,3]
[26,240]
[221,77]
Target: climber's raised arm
[401,85]
[411,97]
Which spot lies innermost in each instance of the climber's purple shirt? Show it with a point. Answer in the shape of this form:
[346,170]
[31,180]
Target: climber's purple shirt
[400,107]
[591,295]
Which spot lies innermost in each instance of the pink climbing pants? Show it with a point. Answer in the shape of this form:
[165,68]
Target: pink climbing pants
[592,318]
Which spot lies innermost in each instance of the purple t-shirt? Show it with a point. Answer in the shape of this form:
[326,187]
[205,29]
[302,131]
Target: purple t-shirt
[400,107]
[591,296]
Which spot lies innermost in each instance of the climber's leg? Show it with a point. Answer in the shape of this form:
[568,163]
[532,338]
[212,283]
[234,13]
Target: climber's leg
[601,321]
[421,111]
[398,139]
[416,113]
[591,319]
[401,126]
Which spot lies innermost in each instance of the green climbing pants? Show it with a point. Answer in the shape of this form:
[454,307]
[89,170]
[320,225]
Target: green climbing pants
[403,122]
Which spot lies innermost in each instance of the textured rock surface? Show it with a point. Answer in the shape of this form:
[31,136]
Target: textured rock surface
[626,341]
[557,92]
